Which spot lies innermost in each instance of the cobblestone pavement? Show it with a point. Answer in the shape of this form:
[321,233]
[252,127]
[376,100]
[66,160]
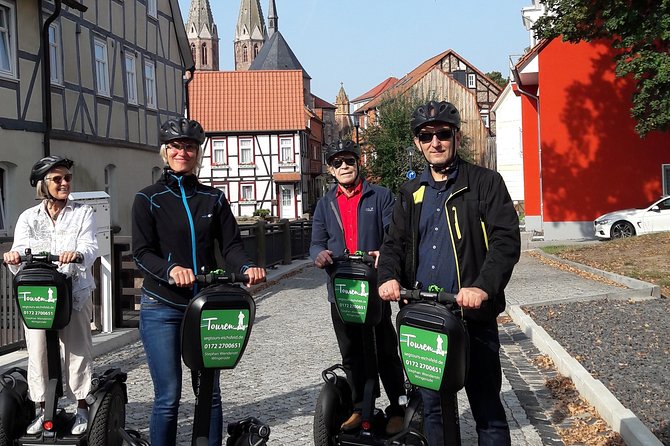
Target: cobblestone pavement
[279,377]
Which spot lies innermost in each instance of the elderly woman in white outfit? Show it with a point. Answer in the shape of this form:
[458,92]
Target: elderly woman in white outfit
[67,229]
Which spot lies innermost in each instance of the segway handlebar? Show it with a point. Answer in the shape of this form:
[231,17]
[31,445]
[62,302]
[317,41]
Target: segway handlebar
[217,277]
[356,257]
[418,295]
[45,257]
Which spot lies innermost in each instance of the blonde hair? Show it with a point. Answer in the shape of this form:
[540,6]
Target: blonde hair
[198,161]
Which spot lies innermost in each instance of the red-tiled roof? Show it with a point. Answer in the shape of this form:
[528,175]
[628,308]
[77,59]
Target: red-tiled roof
[248,101]
[387,83]
[320,103]
[417,74]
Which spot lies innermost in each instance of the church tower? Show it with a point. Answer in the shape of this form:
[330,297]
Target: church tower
[250,34]
[203,36]
[342,114]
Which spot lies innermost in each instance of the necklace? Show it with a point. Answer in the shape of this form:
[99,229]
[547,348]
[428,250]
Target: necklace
[53,210]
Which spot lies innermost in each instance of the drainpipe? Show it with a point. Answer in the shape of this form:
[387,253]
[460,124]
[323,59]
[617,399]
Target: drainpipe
[46,66]
[517,79]
[186,96]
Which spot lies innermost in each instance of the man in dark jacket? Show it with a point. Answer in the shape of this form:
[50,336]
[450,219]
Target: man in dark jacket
[455,227]
[353,216]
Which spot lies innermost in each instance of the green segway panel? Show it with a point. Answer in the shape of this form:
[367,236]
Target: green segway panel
[216,327]
[356,297]
[44,296]
[434,347]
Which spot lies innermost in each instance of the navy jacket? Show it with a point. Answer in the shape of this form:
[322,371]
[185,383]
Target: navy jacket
[484,230]
[374,215]
[179,221]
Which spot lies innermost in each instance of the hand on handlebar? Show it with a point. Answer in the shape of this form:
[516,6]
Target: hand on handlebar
[256,275]
[69,257]
[324,259]
[471,297]
[390,290]
[183,277]
[12,258]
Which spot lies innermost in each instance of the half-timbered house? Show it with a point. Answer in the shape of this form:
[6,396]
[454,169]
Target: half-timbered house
[92,81]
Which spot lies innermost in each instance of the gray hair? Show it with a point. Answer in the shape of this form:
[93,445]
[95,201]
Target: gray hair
[41,190]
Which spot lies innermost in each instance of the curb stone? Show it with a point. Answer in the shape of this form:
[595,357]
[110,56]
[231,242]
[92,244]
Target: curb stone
[637,287]
[622,420]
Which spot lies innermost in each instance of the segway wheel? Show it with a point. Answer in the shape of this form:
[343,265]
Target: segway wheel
[333,407]
[111,415]
[4,440]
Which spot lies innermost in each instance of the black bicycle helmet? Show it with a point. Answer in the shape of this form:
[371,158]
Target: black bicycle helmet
[341,146]
[182,128]
[44,165]
[435,111]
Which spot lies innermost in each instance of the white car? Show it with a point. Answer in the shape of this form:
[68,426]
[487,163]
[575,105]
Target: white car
[630,222]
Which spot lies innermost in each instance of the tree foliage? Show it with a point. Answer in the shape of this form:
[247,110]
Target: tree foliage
[640,29]
[497,77]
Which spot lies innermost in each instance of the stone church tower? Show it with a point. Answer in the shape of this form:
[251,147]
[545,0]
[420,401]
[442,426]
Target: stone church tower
[203,36]
[342,114]
[250,34]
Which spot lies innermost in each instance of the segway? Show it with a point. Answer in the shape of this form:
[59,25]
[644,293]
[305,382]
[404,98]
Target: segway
[44,298]
[214,334]
[354,281]
[435,349]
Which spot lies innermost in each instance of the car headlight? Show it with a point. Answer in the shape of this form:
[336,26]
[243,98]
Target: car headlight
[603,221]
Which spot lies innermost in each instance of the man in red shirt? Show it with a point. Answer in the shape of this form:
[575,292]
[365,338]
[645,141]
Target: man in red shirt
[353,216]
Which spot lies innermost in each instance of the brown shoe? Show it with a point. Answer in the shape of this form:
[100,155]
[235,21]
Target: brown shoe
[354,422]
[394,425]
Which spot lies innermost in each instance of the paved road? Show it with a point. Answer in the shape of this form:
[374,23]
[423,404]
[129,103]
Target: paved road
[278,379]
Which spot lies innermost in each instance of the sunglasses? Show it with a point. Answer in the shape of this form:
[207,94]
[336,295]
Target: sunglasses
[187,147]
[338,162]
[60,178]
[442,135]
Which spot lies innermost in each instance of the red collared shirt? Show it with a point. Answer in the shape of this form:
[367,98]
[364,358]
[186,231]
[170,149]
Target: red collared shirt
[349,214]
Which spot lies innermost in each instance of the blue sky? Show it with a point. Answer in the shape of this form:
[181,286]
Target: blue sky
[362,42]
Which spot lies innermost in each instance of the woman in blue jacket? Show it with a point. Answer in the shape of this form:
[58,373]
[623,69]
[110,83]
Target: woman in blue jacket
[176,224]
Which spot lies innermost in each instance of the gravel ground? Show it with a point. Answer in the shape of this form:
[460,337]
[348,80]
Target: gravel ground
[624,344]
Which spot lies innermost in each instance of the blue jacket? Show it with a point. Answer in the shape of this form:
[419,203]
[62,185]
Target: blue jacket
[374,215]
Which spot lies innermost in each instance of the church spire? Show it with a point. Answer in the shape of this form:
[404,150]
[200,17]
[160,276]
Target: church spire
[273,19]
[203,36]
[250,33]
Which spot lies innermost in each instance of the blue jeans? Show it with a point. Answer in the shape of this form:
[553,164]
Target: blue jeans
[482,386]
[160,332]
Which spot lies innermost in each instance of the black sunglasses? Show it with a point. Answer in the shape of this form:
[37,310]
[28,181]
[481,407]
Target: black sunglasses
[59,179]
[338,162]
[442,135]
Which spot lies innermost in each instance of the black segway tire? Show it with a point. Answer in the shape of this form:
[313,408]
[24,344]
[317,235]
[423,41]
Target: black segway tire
[111,415]
[333,407]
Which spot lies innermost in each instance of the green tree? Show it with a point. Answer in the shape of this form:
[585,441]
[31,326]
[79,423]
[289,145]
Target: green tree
[497,77]
[640,29]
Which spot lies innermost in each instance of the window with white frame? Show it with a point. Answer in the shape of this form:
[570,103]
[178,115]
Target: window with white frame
[151,8]
[150,83]
[219,152]
[246,151]
[247,192]
[223,187]
[286,150]
[101,67]
[286,197]
[472,80]
[485,119]
[7,40]
[55,51]
[131,76]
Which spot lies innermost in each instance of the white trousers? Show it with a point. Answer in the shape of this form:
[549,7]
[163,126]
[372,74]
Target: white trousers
[76,346]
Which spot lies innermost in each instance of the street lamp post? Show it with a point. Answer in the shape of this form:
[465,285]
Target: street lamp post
[410,153]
